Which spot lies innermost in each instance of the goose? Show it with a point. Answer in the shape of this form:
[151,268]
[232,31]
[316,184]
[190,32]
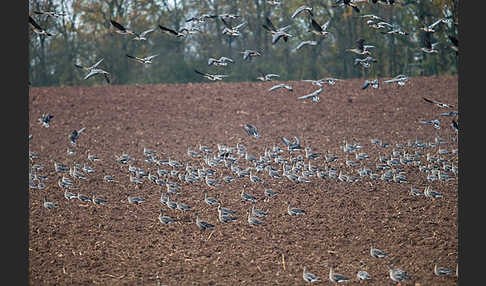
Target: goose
[253,220]
[249,54]
[305,43]
[230,30]
[143,36]
[251,130]
[319,30]
[96,71]
[45,119]
[450,113]
[330,80]
[455,126]
[273,2]
[442,271]
[109,179]
[430,28]
[336,277]
[437,103]
[165,219]
[415,191]
[68,195]
[213,77]
[257,212]
[247,197]
[222,61]
[372,17]
[38,29]
[293,211]
[310,277]
[317,82]
[49,205]
[83,198]
[210,200]
[170,31]
[362,274]
[98,201]
[372,83]
[432,194]
[361,49]
[366,62]
[288,87]
[302,9]
[277,34]
[202,224]
[202,18]
[145,60]
[135,200]
[375,252]
[120,29]
[398,275]
[229,16]
[401,79]
[313,95]
[170,204]
[267,77]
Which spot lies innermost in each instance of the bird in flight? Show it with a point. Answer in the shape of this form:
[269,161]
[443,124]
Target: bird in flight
[120,29]
[170,31]
[251,130]
[143,36]
[302,9]
[319,30]
[212,76]
[145,60]
[361,49]
[439,104]
[277,34]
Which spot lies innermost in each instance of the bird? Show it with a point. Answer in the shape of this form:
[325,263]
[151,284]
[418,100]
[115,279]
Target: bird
[53,14]
[213,77]
[90,67]
[319,30]
[267,77]
[432,194]
[313,95]
[375,252]
[38,29]
[75,135]
[293,211]
[438,103]
[310,277]
[49,205]
[361,48]
[145,60]
[165,219]
[302,9]
[430,28]
[202,224]
[415,191]
[202,18]
[249,54]
[45,119]
[401,79]
[120,29]
[277,34]
[83,198]
[398,275]
[222,61]
[210,200]
[143,36]
[288,87]
[225,211]
[305,43]
[253,220]
[366,62]
[442,271]
[455,126]
[170,31]
[96,71]
[336,277]
[257,212]
[68,195]
[247,197]
[251,130]
[135,200]
[372,83]
[230,30]
[363,275]
[98,201]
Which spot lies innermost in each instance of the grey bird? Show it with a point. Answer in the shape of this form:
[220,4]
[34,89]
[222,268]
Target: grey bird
[442,271]
[38,29]
[310,277]
[135,200]
[202,224]
[375,252]
[301,9]
[45,120]
[398,275]
[336,277]
[75,135]
[49,205]
[253,220]
[144,60]
[251,130]
[282,85]
[212,77]
[249,54]
[372,83]
[165,219]
[293,211]
[305,43]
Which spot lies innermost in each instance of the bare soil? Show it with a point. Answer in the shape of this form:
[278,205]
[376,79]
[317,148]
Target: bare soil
[123,244]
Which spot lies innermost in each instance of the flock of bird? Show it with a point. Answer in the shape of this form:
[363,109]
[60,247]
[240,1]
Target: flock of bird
[301,165]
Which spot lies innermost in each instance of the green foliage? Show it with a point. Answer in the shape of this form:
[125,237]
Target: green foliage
[85,35]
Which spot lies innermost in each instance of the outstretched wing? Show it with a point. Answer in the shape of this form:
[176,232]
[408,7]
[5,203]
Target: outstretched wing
[144,33]
[90,74]
[168,30]
[96,64]
[429,101]
[34,23]
[316,25]
[203,74]
[269,23]
[118,26]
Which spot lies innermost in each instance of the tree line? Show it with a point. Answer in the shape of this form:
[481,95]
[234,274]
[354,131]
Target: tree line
[83,34]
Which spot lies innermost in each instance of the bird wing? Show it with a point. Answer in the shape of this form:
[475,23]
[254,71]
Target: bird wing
[360,44]
[91,73]
[200,73]
[144,33]
[315,25]
[118,25]
[276,86]
[269,23]
[366,84]
[226,23]
[454,41]
[225,59]
[96,64]
[151,57]
[240,26]
[34,23]
[429,101]
[165,29]
[277,37]
[435,23]
[132,57]
[298,10]
[324,27]
[211,61]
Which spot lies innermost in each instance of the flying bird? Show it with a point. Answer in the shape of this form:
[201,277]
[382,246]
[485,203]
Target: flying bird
[361,48]
[313,95]
[305,43]
[439,104]
[302,9]
[230,30]
[347,3]
[143,36]
[211,76]
[267,77]
[429,47]
[145,60]
[319,30]
[249,54]
[75,135]
[288,87]
[277,34]
[222,61]
[45,119]
[251,130]
[372,83]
